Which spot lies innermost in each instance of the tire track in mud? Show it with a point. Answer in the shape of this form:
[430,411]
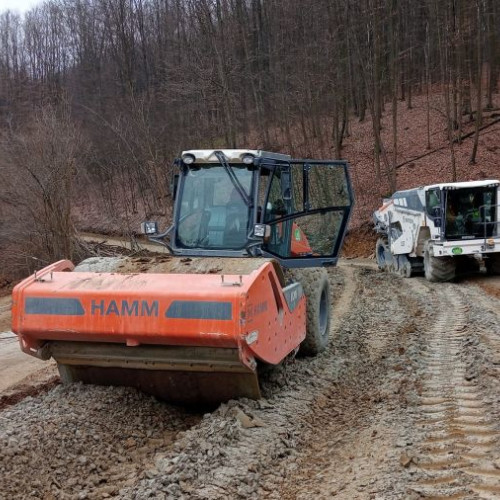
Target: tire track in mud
[313,408]
[350,450]
[488,308]
[344,303]
[460,437]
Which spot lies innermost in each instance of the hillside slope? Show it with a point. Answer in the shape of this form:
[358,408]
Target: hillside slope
[419,166]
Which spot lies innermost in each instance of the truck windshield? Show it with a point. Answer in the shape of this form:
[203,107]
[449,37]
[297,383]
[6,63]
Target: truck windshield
[212,213]
[470,213]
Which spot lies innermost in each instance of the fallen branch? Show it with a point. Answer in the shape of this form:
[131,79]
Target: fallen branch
[469,134]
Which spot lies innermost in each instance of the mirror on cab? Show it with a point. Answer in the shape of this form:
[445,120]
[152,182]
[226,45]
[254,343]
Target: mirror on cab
[149,228]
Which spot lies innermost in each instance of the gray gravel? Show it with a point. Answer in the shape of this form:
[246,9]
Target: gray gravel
[82,441]
[343,425]
[310,404]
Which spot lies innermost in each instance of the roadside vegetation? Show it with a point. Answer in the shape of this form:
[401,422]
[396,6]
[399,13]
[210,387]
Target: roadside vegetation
[97,98]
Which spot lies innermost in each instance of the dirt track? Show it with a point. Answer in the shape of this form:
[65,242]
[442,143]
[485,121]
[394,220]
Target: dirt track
[404,404]
[19,374]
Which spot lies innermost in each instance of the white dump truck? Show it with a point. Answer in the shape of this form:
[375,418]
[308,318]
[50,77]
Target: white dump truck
[441,230]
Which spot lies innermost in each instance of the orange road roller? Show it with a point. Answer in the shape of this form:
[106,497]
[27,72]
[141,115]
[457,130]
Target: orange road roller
[243,284]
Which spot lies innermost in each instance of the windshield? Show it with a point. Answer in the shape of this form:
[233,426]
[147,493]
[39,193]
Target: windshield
[212,212]
[470,213]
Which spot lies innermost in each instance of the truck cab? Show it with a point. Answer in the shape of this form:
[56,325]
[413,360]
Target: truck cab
[463,211]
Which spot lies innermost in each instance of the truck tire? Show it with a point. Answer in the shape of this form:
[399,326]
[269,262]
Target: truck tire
[381,254]
[438,268]
[317,291]
[402,266]
[467,265]
[492,264]
[397,264]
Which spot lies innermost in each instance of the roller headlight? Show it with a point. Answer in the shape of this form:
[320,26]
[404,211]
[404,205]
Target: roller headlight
[188,159]
[247,158]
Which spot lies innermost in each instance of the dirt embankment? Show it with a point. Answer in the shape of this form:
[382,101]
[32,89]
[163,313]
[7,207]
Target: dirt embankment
[404,404]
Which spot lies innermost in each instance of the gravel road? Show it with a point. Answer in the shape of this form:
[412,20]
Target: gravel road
[404,404]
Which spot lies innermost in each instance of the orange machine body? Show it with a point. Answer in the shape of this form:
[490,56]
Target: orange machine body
[300,244]
[253,312]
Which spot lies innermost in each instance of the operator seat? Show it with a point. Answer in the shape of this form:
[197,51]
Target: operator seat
[235,232]
[204,222]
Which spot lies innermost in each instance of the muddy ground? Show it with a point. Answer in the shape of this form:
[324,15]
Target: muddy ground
[404,404]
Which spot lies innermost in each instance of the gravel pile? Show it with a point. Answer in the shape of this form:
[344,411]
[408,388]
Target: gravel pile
[343,424]
[82,441]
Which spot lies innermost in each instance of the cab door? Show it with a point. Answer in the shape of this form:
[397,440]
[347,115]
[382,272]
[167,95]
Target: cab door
[308,207]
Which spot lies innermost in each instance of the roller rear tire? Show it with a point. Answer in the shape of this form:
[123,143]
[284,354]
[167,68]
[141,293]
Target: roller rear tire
[317,291]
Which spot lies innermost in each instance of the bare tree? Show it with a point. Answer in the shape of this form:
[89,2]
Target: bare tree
[45,157]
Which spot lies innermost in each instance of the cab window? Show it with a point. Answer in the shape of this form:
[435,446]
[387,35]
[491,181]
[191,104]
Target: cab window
[212,213]
[433,202]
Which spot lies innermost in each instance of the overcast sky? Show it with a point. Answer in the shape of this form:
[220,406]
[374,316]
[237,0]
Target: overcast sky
[20,5]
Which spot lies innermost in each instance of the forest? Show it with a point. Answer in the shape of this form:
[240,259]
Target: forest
[98,96]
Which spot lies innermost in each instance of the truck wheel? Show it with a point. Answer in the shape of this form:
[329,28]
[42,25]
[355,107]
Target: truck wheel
[492,264]
[467,265]
[438,268]
[317,291]
[404,268]
[382,254]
